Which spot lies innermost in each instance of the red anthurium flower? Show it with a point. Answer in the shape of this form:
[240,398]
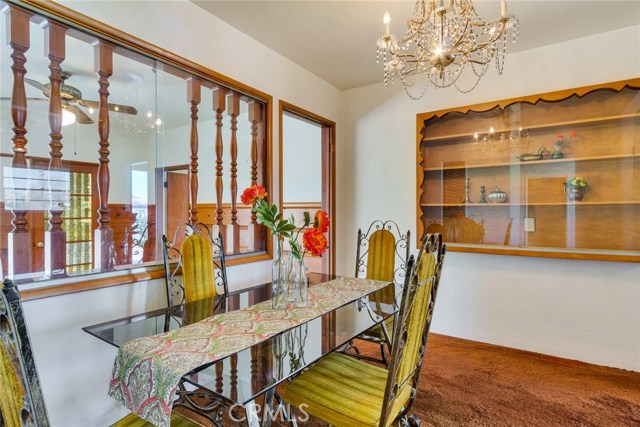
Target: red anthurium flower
[321,221]
[251,194]
[560,136]
[314,241]
[574,134]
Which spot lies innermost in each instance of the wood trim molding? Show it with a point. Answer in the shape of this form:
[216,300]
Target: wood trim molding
[452,247]
[301,205]
[151,272]
[309,117]
[555,96]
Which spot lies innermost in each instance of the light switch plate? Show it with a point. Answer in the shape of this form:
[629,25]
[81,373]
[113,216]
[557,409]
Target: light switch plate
[529,225]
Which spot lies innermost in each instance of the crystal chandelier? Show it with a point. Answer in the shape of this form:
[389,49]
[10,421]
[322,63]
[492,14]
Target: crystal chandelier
[444,37]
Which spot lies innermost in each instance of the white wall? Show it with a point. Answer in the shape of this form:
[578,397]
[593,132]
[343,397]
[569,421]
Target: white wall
[301,161]
[584,310]
[74,366]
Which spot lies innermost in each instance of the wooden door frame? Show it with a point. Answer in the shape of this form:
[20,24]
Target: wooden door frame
[328,158]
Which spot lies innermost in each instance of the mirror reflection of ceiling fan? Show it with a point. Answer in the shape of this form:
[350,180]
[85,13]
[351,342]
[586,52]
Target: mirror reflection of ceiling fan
[71,98]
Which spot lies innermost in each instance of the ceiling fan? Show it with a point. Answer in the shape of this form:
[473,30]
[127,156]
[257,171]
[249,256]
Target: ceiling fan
[71,98]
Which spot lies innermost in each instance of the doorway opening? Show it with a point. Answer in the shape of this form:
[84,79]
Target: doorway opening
[307,173]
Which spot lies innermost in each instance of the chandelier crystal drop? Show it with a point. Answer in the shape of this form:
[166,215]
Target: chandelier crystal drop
[444,38]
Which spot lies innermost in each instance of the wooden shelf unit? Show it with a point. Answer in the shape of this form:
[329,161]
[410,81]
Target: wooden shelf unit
[540,126]
[537,219]
[534,162]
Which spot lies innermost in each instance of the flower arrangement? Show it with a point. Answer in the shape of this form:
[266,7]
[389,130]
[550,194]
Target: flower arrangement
[576,182]
[267,214]
[561,138]
[313,239]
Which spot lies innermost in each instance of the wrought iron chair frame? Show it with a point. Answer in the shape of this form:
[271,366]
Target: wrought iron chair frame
[14,334]
[402,248]
[432,243]
[172,260]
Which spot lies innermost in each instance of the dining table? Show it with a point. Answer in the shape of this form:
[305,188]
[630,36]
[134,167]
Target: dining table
[243,382]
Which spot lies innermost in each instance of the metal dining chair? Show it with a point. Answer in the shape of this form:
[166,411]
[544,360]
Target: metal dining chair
[346,392]
[21,401]
[194,264]
[382,254]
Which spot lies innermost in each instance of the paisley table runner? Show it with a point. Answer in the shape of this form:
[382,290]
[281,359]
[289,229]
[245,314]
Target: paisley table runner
[147,370]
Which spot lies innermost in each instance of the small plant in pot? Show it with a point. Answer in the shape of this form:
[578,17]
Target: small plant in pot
[575,189]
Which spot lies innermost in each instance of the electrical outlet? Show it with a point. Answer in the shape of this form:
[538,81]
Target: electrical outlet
[529,225]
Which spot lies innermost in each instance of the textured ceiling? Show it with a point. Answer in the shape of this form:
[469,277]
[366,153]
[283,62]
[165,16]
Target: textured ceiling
[336,39]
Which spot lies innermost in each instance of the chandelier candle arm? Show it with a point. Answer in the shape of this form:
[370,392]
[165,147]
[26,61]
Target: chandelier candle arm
[442,38]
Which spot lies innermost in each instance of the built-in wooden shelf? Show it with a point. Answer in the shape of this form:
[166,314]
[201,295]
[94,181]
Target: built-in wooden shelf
[455,163]
[534,162]
[593,120]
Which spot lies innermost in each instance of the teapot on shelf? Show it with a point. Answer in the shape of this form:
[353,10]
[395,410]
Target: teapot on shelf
[529,157]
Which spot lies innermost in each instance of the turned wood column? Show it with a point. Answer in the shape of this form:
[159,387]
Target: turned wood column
[55,257]
[256,242]
[219,95]
[193,97]
[233,110]
[103,236]
[19,240]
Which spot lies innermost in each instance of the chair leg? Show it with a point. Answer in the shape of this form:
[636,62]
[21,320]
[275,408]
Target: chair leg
[409,421]
[383,354]
[350,346]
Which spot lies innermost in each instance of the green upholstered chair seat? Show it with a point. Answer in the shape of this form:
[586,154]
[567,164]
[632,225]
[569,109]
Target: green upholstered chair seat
[376,332]
[177,420]
[344,392]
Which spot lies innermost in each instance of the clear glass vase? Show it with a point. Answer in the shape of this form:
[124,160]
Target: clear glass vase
[280,272]
[300,283]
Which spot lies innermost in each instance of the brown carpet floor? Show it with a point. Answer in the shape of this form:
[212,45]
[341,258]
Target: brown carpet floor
[466,383]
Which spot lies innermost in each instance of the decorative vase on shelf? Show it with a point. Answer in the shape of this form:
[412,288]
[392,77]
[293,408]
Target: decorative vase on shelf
[574,194]
[279,278]
[497,196]
[557,154]
[300,283]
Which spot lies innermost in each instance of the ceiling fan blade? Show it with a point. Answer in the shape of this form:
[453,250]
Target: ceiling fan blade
[38,85]
[80,115]
[117,108]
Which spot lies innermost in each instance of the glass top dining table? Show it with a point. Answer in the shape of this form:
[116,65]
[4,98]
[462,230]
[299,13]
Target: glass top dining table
[240,378]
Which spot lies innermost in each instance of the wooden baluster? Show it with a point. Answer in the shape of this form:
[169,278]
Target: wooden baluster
[219,378]
[234,376]
[255,382]
[55,261]
[233,233]
[219,106]
[193,97]
[19,240]
[104,244]
[255,240]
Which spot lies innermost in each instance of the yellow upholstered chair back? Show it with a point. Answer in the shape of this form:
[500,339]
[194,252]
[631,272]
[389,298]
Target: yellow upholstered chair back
[197,268]
[412,327]
[21,402]
[200,260]
[381,258]
[381,262]
[382,254]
